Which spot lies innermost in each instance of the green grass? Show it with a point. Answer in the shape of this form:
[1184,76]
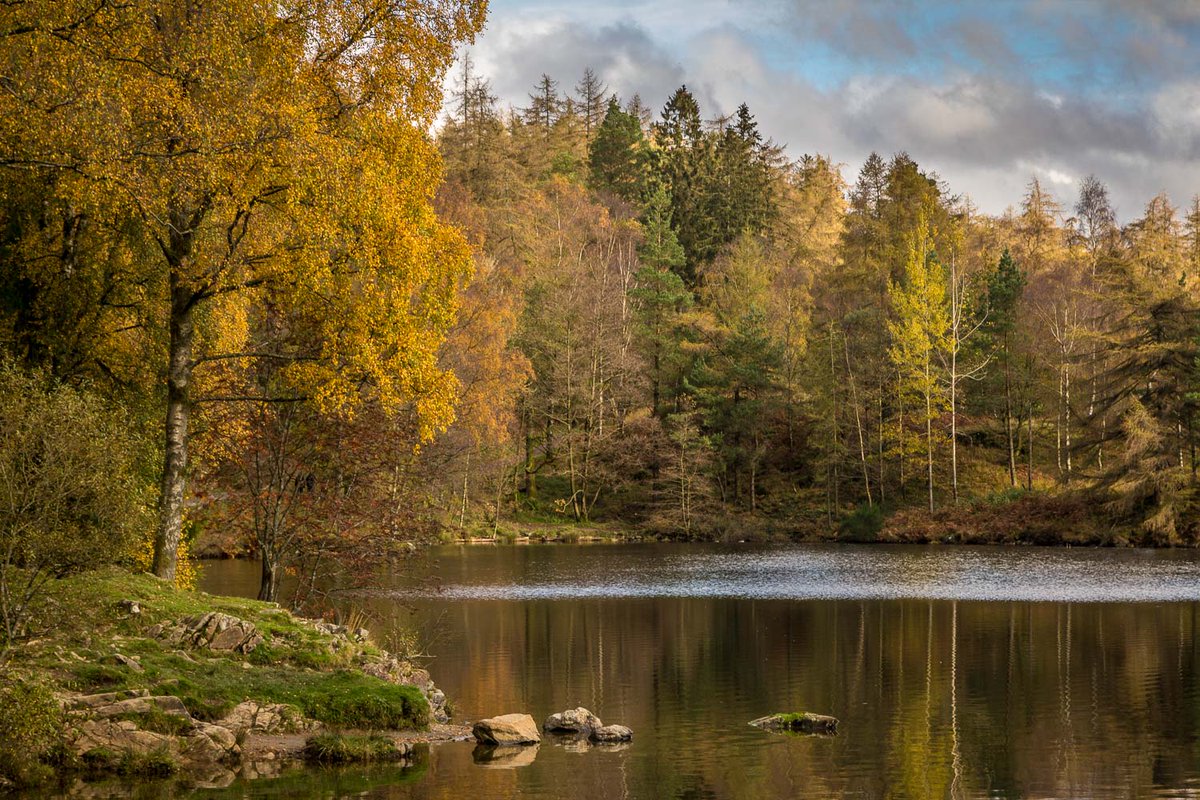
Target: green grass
[344,748]
[158,721]
[296,664]
[211,686]
[130,765]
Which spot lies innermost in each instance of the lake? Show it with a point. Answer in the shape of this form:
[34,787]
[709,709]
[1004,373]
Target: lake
[955,671]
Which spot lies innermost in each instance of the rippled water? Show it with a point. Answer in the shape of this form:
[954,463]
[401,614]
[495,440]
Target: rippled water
[956,672]
[823,572]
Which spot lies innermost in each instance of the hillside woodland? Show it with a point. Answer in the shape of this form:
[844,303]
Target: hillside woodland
[582,314]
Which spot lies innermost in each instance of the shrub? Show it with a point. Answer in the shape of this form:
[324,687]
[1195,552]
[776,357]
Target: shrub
[70,498]
[862,525]
[30,726]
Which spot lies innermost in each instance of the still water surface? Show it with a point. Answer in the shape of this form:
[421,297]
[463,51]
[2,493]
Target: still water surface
[955,672]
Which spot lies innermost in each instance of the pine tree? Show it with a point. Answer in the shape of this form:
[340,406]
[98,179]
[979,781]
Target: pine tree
[1005,286]
[738,388]
[661,298]
[685,167]
[740,191]
[617,157]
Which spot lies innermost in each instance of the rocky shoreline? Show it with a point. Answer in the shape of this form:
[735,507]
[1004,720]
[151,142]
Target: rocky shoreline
[135,731]
[137,679]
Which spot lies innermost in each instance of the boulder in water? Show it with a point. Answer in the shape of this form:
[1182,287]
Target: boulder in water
[507,729]
[577,721]
[611,734]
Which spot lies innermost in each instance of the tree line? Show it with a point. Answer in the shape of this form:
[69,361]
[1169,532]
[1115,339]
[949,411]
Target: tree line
[715,332]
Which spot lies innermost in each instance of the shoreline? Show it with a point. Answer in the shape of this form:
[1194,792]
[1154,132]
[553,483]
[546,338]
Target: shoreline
[125,676]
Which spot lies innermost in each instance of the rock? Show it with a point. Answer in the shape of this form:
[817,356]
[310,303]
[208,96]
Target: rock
[612,733]
[130,607]
[437,705]
[214,631]
[105,735]
[263,768]
[393,670]
[799,723]
[335,630]
[197,748]
[144,705]
[89,701]
[126,661]
[221,737]
[270,718]
[505,756]
[507,729]
[579,721]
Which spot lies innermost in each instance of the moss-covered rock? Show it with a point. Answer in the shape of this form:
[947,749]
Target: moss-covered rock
[804,722]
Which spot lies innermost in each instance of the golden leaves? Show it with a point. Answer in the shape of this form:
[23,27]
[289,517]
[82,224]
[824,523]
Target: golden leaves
[274,156]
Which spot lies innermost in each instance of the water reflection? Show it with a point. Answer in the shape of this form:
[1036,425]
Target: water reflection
[936,697]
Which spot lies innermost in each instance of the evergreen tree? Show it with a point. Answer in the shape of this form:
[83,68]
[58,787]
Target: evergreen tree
[738,388]
[1005,286]
[739,193]
[685,167]
[617,158]
[661,299]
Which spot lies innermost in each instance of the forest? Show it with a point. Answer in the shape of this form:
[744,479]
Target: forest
[271,295]
[710,337]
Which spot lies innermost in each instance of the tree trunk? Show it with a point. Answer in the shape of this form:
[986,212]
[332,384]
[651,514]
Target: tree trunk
[268,587]
[1008,426]
[882,483]
[929,444]
[954,417]
[858,424]
[1067,421]
[174,476]
[462,513]
[1029,445]
[530,469]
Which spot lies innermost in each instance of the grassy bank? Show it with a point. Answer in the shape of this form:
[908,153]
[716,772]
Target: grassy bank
[103,632]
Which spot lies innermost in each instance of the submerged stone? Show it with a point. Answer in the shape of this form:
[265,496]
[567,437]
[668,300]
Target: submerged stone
[798,723]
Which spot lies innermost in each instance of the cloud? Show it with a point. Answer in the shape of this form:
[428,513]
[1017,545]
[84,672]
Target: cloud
[962,92]
[513,56]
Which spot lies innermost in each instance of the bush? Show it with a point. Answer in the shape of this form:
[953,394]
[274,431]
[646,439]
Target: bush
[70,498]
[862,525]
[30,726]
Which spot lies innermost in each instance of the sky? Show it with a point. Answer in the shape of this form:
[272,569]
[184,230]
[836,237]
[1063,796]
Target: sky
[986,94]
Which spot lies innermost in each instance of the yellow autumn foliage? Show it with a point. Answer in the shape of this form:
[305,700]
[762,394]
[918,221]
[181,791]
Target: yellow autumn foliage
[258,158]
